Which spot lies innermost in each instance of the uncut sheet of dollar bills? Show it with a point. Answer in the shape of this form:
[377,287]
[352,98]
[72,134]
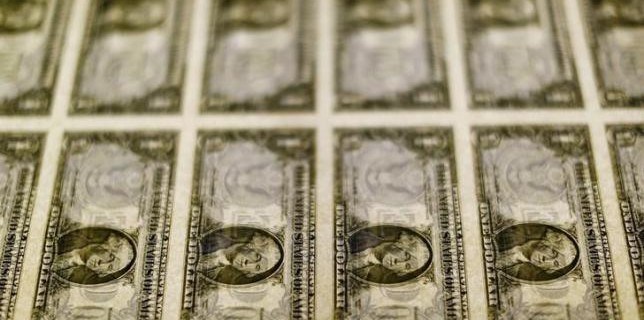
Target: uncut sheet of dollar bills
[329,159]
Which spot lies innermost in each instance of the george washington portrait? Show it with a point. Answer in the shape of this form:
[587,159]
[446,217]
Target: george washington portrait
[93,255]
[535,252]
[388,254]
[239,255]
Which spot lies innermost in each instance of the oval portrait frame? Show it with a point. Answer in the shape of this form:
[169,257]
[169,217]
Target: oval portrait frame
[122,273]
[418,273]
[568,269]
[249,230]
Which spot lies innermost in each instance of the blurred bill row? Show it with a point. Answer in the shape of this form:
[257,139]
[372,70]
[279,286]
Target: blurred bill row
[260,54]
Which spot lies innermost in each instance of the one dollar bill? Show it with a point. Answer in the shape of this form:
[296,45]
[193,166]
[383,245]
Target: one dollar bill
[518,54]
[390,55]
[628,163]
[20,156]
[31,34]
[546,253]
[399,243]
[106,242]
[260,56]
[251,245]
[133,57]
[617,40]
